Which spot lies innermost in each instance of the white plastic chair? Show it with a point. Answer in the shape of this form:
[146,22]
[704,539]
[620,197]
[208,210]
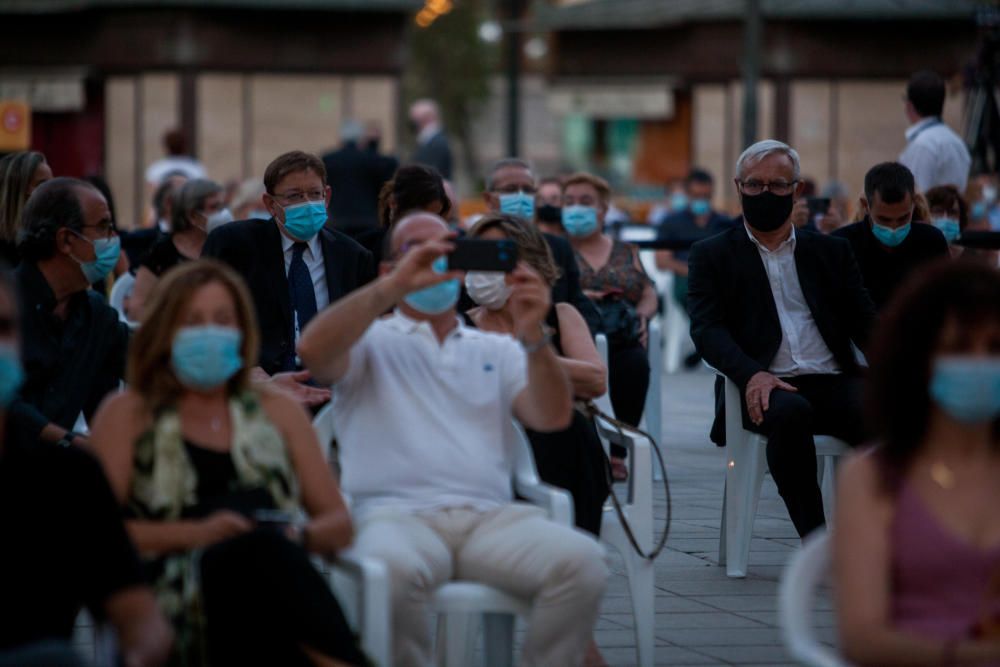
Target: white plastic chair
[676,326]
[796,595]
[119,292]
[460,604]
[746,464]
[361,584]
[638,509]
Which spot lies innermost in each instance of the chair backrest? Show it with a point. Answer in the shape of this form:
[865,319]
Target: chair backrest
[119,291]
[603,401]
[796,593]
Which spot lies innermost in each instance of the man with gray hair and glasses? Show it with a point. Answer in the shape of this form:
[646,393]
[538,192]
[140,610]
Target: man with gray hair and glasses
[776,309]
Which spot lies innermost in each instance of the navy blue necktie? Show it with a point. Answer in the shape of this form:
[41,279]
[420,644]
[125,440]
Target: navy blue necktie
[300,289]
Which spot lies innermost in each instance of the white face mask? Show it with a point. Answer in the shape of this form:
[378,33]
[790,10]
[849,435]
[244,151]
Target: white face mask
[218,219]
[488,288]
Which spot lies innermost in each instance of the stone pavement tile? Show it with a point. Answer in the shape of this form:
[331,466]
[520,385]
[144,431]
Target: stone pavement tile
[621,638]
[738,603]
[662,655]
[664,602]
[745,655]
[667,623]
[821,618]
[700,637]
[723,586]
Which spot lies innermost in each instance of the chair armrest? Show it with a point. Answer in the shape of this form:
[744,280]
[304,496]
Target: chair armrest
[640,477]
[362,587]
[556,502]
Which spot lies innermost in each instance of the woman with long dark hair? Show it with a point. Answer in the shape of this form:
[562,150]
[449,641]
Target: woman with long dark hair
[917,532]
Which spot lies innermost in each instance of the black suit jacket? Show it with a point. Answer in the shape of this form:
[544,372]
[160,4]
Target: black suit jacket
[435,153]
[734,320]
[356,176]
[253,248]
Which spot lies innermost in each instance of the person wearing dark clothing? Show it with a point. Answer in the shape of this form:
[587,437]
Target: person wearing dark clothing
[888,244]
[433,148]
[136,243]
[20,174]
[511,189]
[66,544]
[293,265]
[776,311]
[355,174]
[74,344]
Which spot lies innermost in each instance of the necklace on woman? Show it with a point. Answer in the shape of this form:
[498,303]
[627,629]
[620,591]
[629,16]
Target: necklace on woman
[942,475]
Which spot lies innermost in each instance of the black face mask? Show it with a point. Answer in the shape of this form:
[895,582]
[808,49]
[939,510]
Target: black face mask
[549,213]
[767,211]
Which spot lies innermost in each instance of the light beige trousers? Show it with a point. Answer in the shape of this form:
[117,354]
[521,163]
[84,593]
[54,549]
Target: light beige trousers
[515,549]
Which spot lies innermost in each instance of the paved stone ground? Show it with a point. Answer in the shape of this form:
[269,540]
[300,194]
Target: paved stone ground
[702,616]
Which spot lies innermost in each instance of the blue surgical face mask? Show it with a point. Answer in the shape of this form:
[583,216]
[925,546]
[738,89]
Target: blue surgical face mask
[979,209]
[949,227]
[890,237]
[435,299]
[106,253]
[11,373]
[700,206]
[579,221]
[967,387]
[205,357]
[678,202]
[518,203]
[303,221]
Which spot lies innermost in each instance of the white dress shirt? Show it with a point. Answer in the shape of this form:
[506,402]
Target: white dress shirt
[803,350]
[424,425]
[313,257]
[936,155]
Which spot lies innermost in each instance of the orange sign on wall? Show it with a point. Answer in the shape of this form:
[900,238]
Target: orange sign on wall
[15,126]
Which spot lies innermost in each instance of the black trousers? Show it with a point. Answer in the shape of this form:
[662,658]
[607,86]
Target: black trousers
[824,404]
[264,600]
[628,382]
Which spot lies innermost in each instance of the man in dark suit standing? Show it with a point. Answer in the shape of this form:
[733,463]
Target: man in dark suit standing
[358,173]
[293,265]
[432,143]
[776,309]
[510,188]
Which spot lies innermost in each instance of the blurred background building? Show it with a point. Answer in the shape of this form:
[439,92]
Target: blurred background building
[636,90]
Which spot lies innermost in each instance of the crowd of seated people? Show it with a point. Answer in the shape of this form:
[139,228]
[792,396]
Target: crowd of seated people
[201,494]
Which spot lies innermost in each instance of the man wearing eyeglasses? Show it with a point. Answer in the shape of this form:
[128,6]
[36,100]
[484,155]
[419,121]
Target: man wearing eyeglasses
[294,265]
[776,309]
[74,345]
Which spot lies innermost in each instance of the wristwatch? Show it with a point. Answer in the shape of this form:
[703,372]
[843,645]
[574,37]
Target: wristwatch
[529,348]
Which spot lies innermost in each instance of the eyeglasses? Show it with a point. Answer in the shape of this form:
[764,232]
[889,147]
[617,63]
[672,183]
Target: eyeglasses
[514,189]
[297,197]
[104,229]
[780,188]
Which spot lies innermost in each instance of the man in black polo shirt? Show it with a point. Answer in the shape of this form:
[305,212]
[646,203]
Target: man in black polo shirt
[888,244]
[74,344]
[64,544]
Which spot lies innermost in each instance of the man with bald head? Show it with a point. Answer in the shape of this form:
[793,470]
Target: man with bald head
[433,148]
[423,407]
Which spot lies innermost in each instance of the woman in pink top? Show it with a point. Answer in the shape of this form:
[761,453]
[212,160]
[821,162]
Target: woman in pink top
[917,529]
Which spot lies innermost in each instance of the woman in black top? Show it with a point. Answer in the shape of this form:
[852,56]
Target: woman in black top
[197,208]
[20,174]
[572,459]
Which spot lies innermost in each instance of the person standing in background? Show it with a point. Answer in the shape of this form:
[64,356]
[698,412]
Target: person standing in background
[934,153]
[357,174]
[177,160]
[433,148]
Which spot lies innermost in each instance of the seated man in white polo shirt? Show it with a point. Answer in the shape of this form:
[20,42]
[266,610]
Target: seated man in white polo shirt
[423,409]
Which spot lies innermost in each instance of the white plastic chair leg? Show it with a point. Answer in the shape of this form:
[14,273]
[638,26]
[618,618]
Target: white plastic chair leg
[641,585]
[722,525]
[498,640]
[827,482]
[459,634]
[745,470]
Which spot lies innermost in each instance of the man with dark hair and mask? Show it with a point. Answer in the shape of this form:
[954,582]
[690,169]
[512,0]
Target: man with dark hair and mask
[776,309]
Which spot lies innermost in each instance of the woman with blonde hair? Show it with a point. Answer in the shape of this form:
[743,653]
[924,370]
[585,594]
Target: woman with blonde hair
[214,474]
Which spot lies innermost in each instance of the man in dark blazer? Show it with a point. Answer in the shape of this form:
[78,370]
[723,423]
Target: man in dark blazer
[776,310]
[293,265]
[433,148]
[357,174]
[510,188]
